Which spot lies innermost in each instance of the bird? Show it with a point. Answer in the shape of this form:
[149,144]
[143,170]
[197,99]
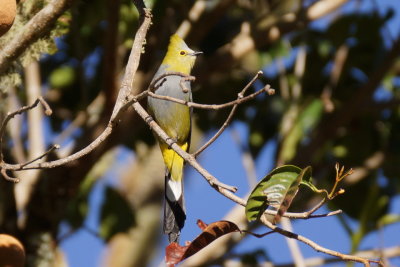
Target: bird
[175,119]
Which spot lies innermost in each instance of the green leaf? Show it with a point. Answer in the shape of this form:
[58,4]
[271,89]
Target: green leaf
[277,187]
[62,77]
[388,219]
[291,192]
[307,118]
[116,214]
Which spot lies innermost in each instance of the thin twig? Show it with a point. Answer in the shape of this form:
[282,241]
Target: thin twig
[295,215]
[7,177]
[47,109]
[314,245]
[19,111]
[238,101]
[258,235]
[233,110]
[54,147]
[190,159]
[153,85]
[293,246]
[316,207]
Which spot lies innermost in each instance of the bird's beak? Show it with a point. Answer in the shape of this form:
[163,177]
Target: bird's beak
[196,53]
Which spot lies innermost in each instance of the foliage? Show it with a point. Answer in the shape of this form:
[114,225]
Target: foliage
[276,189]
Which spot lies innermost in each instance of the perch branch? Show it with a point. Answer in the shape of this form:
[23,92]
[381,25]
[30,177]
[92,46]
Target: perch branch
[266,89]
[190,159]
[235,103]
[185,77]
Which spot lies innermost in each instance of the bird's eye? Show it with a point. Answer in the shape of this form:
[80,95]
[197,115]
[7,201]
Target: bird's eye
[182,53]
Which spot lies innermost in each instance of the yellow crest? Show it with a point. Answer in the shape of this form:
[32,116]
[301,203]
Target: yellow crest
[179,56]
[176,42]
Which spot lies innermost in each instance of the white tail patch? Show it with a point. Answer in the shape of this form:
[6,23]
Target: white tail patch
[174,190]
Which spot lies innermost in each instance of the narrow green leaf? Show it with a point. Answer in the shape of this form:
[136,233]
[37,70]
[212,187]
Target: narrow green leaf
[388,219]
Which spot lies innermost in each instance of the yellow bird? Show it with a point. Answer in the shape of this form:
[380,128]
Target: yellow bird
[175,120]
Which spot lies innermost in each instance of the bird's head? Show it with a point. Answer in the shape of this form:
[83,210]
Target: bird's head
[179,56]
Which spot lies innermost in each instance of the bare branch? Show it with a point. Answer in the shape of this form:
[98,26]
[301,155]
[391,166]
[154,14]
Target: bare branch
[11,115]
[190,159]
[185,77]
[134,59]
[54,147]
[7,177]
[293,246]
[314,245]
[37,27]
[230,116]
[240,100]
[390,252]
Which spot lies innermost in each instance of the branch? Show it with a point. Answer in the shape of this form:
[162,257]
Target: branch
[190,159]
[120,106]
[314,245]
[11,115]
[37,27]
[230,116]
[153,87]
[390,252]
[293,246]
[235,103]
[267,89]
[134,59]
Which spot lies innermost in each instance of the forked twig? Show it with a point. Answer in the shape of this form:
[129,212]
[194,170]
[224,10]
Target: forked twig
[230,116]
[190,159]
[53,147]
[235,103]
[19,111]
[266,89]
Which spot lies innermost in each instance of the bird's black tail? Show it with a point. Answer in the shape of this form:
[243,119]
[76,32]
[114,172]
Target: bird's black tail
[174,213]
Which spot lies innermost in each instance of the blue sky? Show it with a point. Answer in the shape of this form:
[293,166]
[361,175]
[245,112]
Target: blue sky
[223,160]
